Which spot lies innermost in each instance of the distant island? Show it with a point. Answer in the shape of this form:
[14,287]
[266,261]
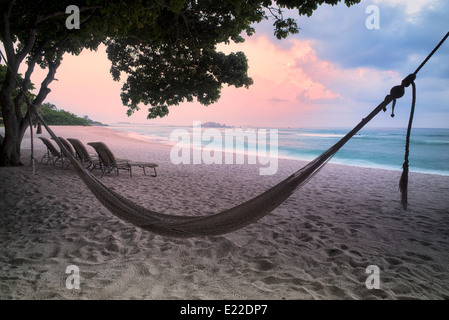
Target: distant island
[214,125]
[95,123]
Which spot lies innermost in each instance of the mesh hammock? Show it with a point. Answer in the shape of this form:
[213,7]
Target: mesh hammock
[251,210]
[214,224]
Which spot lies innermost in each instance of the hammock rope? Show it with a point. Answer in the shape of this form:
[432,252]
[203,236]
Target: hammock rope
[32,159]
[403,182]
[247,212]
[218,223]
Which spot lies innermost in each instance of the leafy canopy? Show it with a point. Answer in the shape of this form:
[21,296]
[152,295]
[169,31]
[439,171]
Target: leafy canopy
[165,48]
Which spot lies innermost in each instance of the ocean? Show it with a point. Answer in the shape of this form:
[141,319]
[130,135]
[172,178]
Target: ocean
[382,148]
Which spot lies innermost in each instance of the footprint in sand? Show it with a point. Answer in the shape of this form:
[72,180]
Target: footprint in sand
[333,252]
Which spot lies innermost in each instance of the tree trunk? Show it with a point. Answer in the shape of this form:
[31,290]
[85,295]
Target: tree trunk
[10,153]
[10,149]
[15,123]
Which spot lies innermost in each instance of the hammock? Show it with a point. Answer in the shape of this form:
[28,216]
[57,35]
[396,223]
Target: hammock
[214,224]
[249,211]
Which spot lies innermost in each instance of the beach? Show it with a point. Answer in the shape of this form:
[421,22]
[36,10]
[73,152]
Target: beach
[317,245]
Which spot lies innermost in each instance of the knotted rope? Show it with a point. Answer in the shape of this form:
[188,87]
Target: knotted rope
[396,93]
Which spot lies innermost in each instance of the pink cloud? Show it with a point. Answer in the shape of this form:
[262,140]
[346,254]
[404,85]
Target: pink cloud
[292,87]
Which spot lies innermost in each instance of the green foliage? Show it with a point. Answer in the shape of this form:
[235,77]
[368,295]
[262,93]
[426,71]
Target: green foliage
[307,7]
[175,59]
[16,89]
[53,116]
[166,49]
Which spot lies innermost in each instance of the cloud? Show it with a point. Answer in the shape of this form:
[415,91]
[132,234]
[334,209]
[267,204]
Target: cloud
[332,73]
[411,8]
[407,29]
[293,85]
[286,74]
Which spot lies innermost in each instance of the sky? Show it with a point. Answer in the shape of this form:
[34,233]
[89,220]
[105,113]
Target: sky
[332,73]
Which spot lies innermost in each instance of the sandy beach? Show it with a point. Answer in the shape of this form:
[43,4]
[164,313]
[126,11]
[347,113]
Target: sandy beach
[317,245]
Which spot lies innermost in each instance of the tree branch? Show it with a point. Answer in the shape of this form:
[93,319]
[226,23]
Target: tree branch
[28,46]
[31,64]
[18,101]
[6,35]
[44,90]
[278,15]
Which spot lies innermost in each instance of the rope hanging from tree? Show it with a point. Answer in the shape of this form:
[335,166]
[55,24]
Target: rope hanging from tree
[398,92]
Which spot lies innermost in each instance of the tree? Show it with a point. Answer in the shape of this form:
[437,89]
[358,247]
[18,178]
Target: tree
[16,89]
[166,48]
[53,116]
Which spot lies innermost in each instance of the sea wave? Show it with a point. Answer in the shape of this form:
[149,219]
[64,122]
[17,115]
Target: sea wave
[321,135]
[374,148]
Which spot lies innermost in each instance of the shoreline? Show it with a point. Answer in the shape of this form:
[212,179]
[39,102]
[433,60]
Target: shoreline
[169,144]
[334,160]
[316,245]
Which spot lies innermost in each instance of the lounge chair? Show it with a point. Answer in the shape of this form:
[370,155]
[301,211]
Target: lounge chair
[68,146]
[109,162]
[86,159]
[52,153]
